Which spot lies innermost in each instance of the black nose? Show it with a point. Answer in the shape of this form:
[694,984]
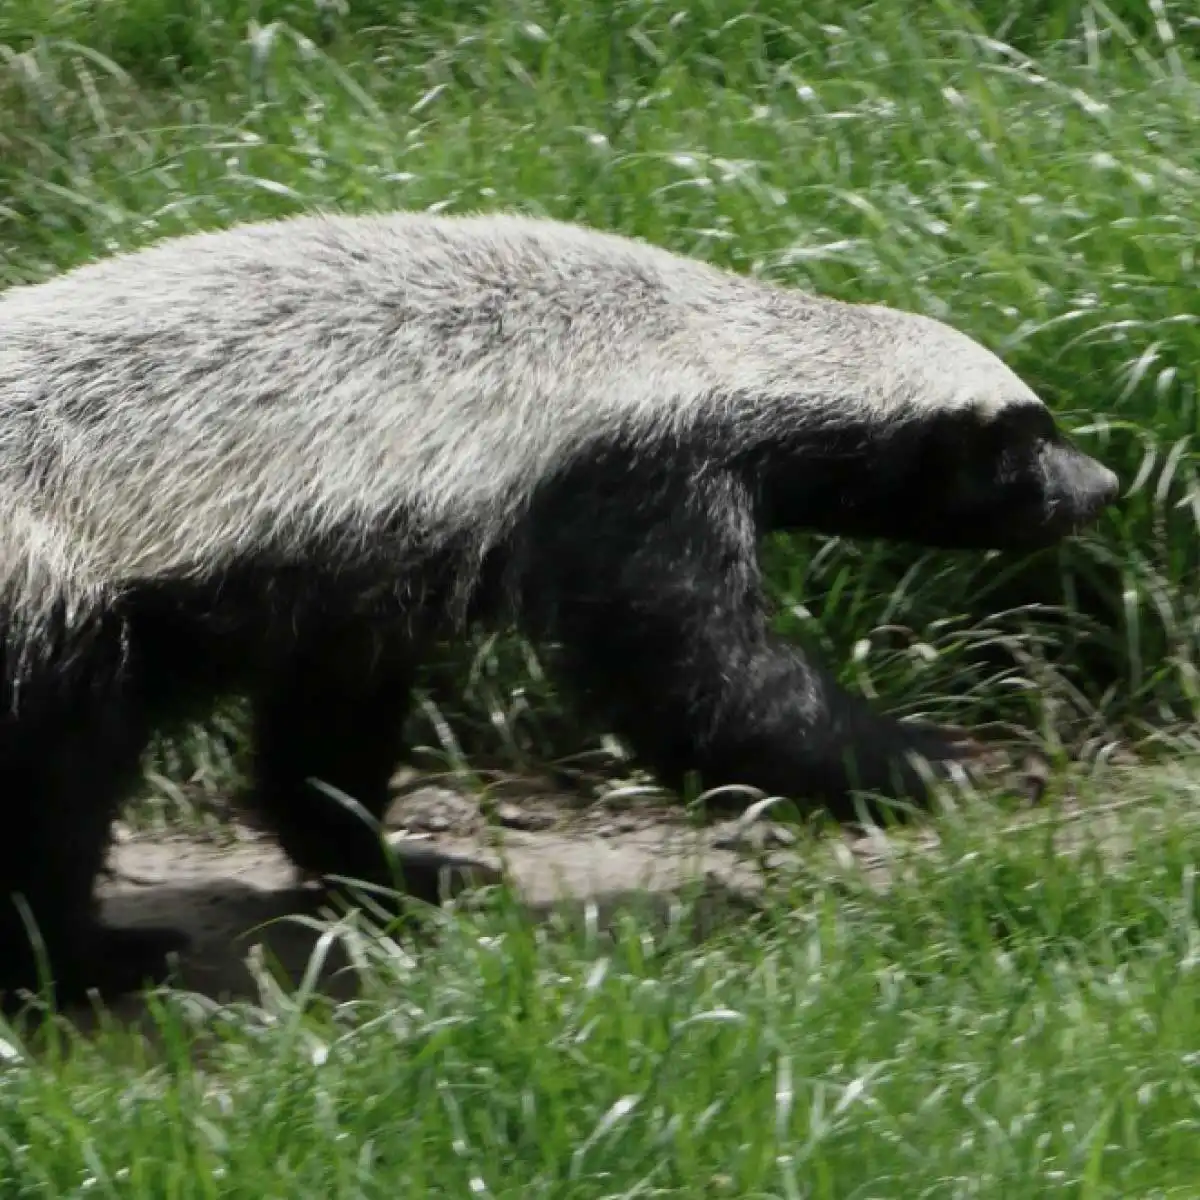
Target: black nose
[1079,481]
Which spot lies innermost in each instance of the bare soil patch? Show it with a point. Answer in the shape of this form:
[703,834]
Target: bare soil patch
[234,895]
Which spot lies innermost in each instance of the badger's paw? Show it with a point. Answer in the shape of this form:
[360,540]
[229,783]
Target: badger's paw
[923,760]
[944,754]
[131,957]
[116,960]
[98,960]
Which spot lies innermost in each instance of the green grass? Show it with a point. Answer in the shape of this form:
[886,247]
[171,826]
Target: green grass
[1004,1023]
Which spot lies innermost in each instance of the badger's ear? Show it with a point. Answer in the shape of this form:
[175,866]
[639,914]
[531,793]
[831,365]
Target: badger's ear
[1018,425]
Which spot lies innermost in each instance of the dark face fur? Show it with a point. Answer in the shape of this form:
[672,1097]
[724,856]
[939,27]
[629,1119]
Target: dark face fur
[960,481]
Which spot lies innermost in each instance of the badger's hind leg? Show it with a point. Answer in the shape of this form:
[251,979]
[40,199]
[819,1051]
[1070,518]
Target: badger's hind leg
[333,713]
[658,605]
[71,738]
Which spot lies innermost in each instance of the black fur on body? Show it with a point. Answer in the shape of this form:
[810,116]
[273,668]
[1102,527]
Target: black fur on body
[633,549]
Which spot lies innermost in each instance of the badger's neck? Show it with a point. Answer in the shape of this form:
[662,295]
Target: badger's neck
[858,420]
[805,360]
[811,370]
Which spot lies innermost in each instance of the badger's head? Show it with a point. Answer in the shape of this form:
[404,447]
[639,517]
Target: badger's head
[938,443]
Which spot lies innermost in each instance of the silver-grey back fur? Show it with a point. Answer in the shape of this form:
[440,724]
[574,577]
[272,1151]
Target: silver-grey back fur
[172,409]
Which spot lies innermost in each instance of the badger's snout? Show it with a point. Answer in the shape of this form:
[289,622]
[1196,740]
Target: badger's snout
[1078,488]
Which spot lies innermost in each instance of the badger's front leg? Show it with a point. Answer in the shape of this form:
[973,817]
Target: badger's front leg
[660,612]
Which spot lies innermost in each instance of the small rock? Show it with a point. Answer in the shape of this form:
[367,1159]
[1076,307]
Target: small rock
[781,835]
[732,835]
[1035,775]
[432,810]
[755,837]
[513,816]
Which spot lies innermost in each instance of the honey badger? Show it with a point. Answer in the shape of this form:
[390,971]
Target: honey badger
[284,458]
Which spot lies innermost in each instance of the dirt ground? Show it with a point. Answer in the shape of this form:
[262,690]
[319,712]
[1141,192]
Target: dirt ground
[233,896]
[237,892]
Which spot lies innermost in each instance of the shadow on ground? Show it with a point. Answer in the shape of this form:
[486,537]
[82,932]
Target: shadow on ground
[235,899]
